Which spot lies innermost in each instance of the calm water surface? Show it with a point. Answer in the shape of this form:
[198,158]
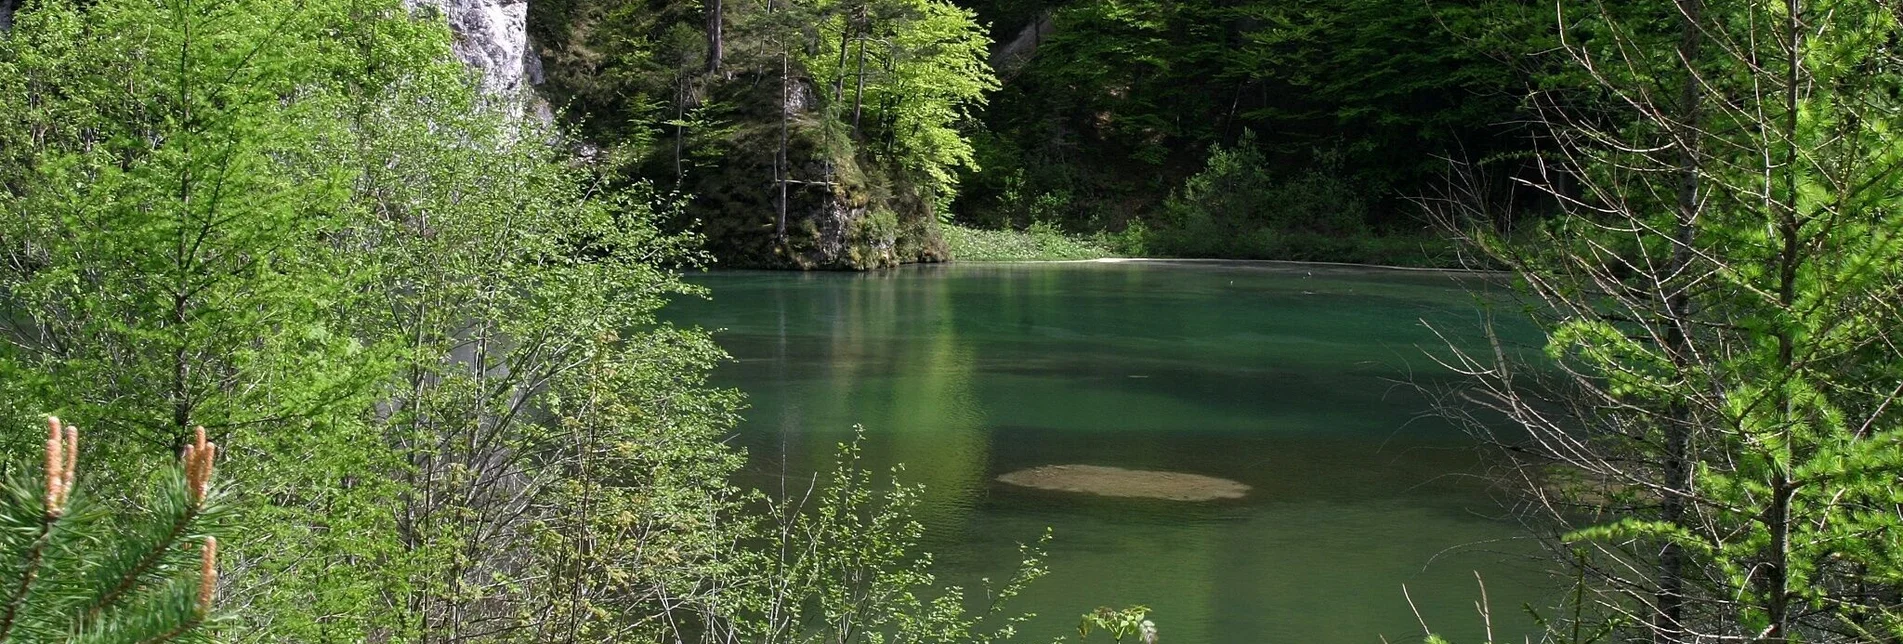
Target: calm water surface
[1285,377]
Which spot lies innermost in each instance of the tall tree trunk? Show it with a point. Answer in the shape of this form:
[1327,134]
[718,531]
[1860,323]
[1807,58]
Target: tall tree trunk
[181,366]
[779,164]
[716,46]
[1777,520]
[845,40]
[680,126]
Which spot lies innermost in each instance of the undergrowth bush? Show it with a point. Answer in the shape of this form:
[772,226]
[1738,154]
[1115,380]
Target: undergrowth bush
[1041,241]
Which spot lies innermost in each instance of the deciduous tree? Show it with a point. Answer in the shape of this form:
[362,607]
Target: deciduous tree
[1717,446]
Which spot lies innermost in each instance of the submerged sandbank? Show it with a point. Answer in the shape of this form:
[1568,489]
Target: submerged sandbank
[1117,481]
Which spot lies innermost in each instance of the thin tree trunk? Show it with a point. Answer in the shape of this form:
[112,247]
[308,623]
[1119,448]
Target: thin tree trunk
[1668,622]
[859,94]
[1777,567]
[181,366]
[839,77]
[1229,120]
[779,164]
[181,372]
[680,118]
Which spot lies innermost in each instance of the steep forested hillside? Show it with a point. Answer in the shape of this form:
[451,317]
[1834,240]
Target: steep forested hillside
[1313,122]
[810,134]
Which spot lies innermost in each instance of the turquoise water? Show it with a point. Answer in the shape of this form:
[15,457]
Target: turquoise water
[1297,380]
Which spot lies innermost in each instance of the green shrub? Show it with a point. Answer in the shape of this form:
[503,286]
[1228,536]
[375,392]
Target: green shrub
[1236,208]
[871,239]
[1041,242]
[842,563]
[1119,623]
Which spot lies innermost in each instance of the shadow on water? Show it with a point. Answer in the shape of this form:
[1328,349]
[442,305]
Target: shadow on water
[1284,377]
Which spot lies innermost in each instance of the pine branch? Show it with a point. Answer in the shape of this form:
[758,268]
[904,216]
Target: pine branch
[169,613]
[62,456]
[176,632]
[33,558]
[198,458]
[150,561]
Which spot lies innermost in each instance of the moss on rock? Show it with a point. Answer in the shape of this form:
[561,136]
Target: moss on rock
[842,212]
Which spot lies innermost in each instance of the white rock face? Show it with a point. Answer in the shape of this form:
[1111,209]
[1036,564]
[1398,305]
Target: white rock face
[492,36]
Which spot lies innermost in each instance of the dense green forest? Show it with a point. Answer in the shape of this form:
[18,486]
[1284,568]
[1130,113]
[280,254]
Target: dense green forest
[417,328]
[423,337]
[1269,130]
[1265,130]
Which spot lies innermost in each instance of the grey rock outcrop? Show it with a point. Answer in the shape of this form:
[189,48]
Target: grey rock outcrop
[492,37]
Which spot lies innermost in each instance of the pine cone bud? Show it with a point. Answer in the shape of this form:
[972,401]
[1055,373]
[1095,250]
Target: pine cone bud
[207,574]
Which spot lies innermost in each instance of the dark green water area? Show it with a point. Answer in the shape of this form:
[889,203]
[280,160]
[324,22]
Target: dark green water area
[1297,380]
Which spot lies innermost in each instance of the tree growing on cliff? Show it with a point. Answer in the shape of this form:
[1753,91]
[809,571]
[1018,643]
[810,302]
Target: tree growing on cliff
[917,68]
[1717,448]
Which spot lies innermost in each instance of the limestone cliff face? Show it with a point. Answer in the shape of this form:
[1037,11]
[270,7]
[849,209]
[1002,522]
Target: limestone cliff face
[492,37]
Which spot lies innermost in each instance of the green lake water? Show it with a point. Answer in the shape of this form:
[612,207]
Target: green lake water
[1294,379]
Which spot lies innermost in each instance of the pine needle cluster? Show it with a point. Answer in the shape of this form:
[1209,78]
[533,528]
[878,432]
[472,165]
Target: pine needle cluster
[77,571]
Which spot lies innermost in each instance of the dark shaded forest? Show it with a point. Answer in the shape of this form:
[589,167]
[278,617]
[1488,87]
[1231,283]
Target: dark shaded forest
[1266,130]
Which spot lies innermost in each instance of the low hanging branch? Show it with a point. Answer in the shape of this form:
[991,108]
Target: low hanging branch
[1708,441]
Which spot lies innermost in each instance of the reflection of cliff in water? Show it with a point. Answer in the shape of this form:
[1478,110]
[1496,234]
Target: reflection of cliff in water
[884,355]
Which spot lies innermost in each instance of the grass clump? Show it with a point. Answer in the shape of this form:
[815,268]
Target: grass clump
[1039,242]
